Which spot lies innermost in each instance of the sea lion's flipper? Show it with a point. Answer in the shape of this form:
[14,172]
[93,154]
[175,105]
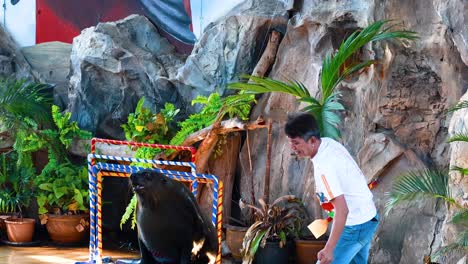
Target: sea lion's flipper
[146,257]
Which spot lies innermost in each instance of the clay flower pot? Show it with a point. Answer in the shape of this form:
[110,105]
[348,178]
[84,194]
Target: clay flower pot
[67,228]
[234,237]
[307,249]
[20,230]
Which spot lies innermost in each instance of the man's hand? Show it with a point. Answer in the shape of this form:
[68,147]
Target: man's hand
[325,256]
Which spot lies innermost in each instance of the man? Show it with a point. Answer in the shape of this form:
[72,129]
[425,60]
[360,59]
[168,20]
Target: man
[338,180]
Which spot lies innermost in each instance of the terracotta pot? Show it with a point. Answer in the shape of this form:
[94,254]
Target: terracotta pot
[234,237]
[306,250]
[20,231]
[66,228]
[2,222]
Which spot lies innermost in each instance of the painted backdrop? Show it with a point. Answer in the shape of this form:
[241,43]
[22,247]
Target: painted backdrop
[59,20]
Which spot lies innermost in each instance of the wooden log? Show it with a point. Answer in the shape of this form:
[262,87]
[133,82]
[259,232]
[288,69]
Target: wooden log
[224,166]
[268,56]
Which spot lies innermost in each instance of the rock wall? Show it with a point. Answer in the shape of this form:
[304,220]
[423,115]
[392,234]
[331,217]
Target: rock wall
[458,183]
[395,118]
[229,47]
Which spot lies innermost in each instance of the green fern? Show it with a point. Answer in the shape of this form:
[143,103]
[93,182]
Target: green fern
[130,211]
[237,105]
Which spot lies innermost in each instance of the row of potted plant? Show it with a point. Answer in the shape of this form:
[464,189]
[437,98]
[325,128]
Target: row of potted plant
[60,188]
[278,234]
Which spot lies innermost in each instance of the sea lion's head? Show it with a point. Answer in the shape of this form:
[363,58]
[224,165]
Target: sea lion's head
[150,185]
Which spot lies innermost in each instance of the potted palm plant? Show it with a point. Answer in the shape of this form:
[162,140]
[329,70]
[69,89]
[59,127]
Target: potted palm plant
[266,240]
[7,205]
[23,108]
[16,196]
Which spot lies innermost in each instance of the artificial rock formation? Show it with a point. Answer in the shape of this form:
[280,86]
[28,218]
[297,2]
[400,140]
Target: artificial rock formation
[112,66]
[229,47]
[395,118]
[457,181]
[52,61]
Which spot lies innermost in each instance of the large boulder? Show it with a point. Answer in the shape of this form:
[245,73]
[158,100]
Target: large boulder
[113,65]
[229,47]
[52,61]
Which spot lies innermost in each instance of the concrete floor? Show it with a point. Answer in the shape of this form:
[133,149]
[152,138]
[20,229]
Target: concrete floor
[56,255]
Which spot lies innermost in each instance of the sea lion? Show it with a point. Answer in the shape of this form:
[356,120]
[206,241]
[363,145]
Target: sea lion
[171,227]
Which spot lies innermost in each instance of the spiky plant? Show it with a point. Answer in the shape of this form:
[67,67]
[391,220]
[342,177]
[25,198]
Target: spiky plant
[272,221]
[333,72]
[430,184]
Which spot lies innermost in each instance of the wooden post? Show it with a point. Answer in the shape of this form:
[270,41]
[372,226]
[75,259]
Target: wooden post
[266,187]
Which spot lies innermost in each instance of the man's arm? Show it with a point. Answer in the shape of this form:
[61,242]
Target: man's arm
[341,213]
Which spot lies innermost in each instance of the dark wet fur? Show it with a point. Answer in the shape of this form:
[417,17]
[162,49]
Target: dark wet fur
[169,218]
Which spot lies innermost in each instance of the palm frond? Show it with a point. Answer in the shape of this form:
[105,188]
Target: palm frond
[264,85]
[330,75]
[20,99]
[463,137]
[460,217]
[460,246]
[459,106]
[427,183]
[327,119]
[463,171]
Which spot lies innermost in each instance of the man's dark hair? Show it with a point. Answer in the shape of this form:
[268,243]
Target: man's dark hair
[302,125]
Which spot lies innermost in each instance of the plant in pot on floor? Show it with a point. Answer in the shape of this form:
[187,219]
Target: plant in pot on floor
[61,187]
[268,239]
[306,245]
[7,206]
[16,194]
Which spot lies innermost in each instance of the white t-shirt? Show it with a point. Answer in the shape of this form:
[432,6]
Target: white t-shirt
[336,173]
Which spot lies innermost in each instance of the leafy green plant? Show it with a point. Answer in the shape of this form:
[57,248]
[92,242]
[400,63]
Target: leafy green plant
[215,107]
[62,186]
[147,127]
[272,222]
[334,70]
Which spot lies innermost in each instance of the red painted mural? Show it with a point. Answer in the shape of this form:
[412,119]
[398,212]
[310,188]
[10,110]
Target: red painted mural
[59,20]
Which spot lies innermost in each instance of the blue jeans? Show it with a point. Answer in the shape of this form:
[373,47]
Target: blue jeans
[354,243]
